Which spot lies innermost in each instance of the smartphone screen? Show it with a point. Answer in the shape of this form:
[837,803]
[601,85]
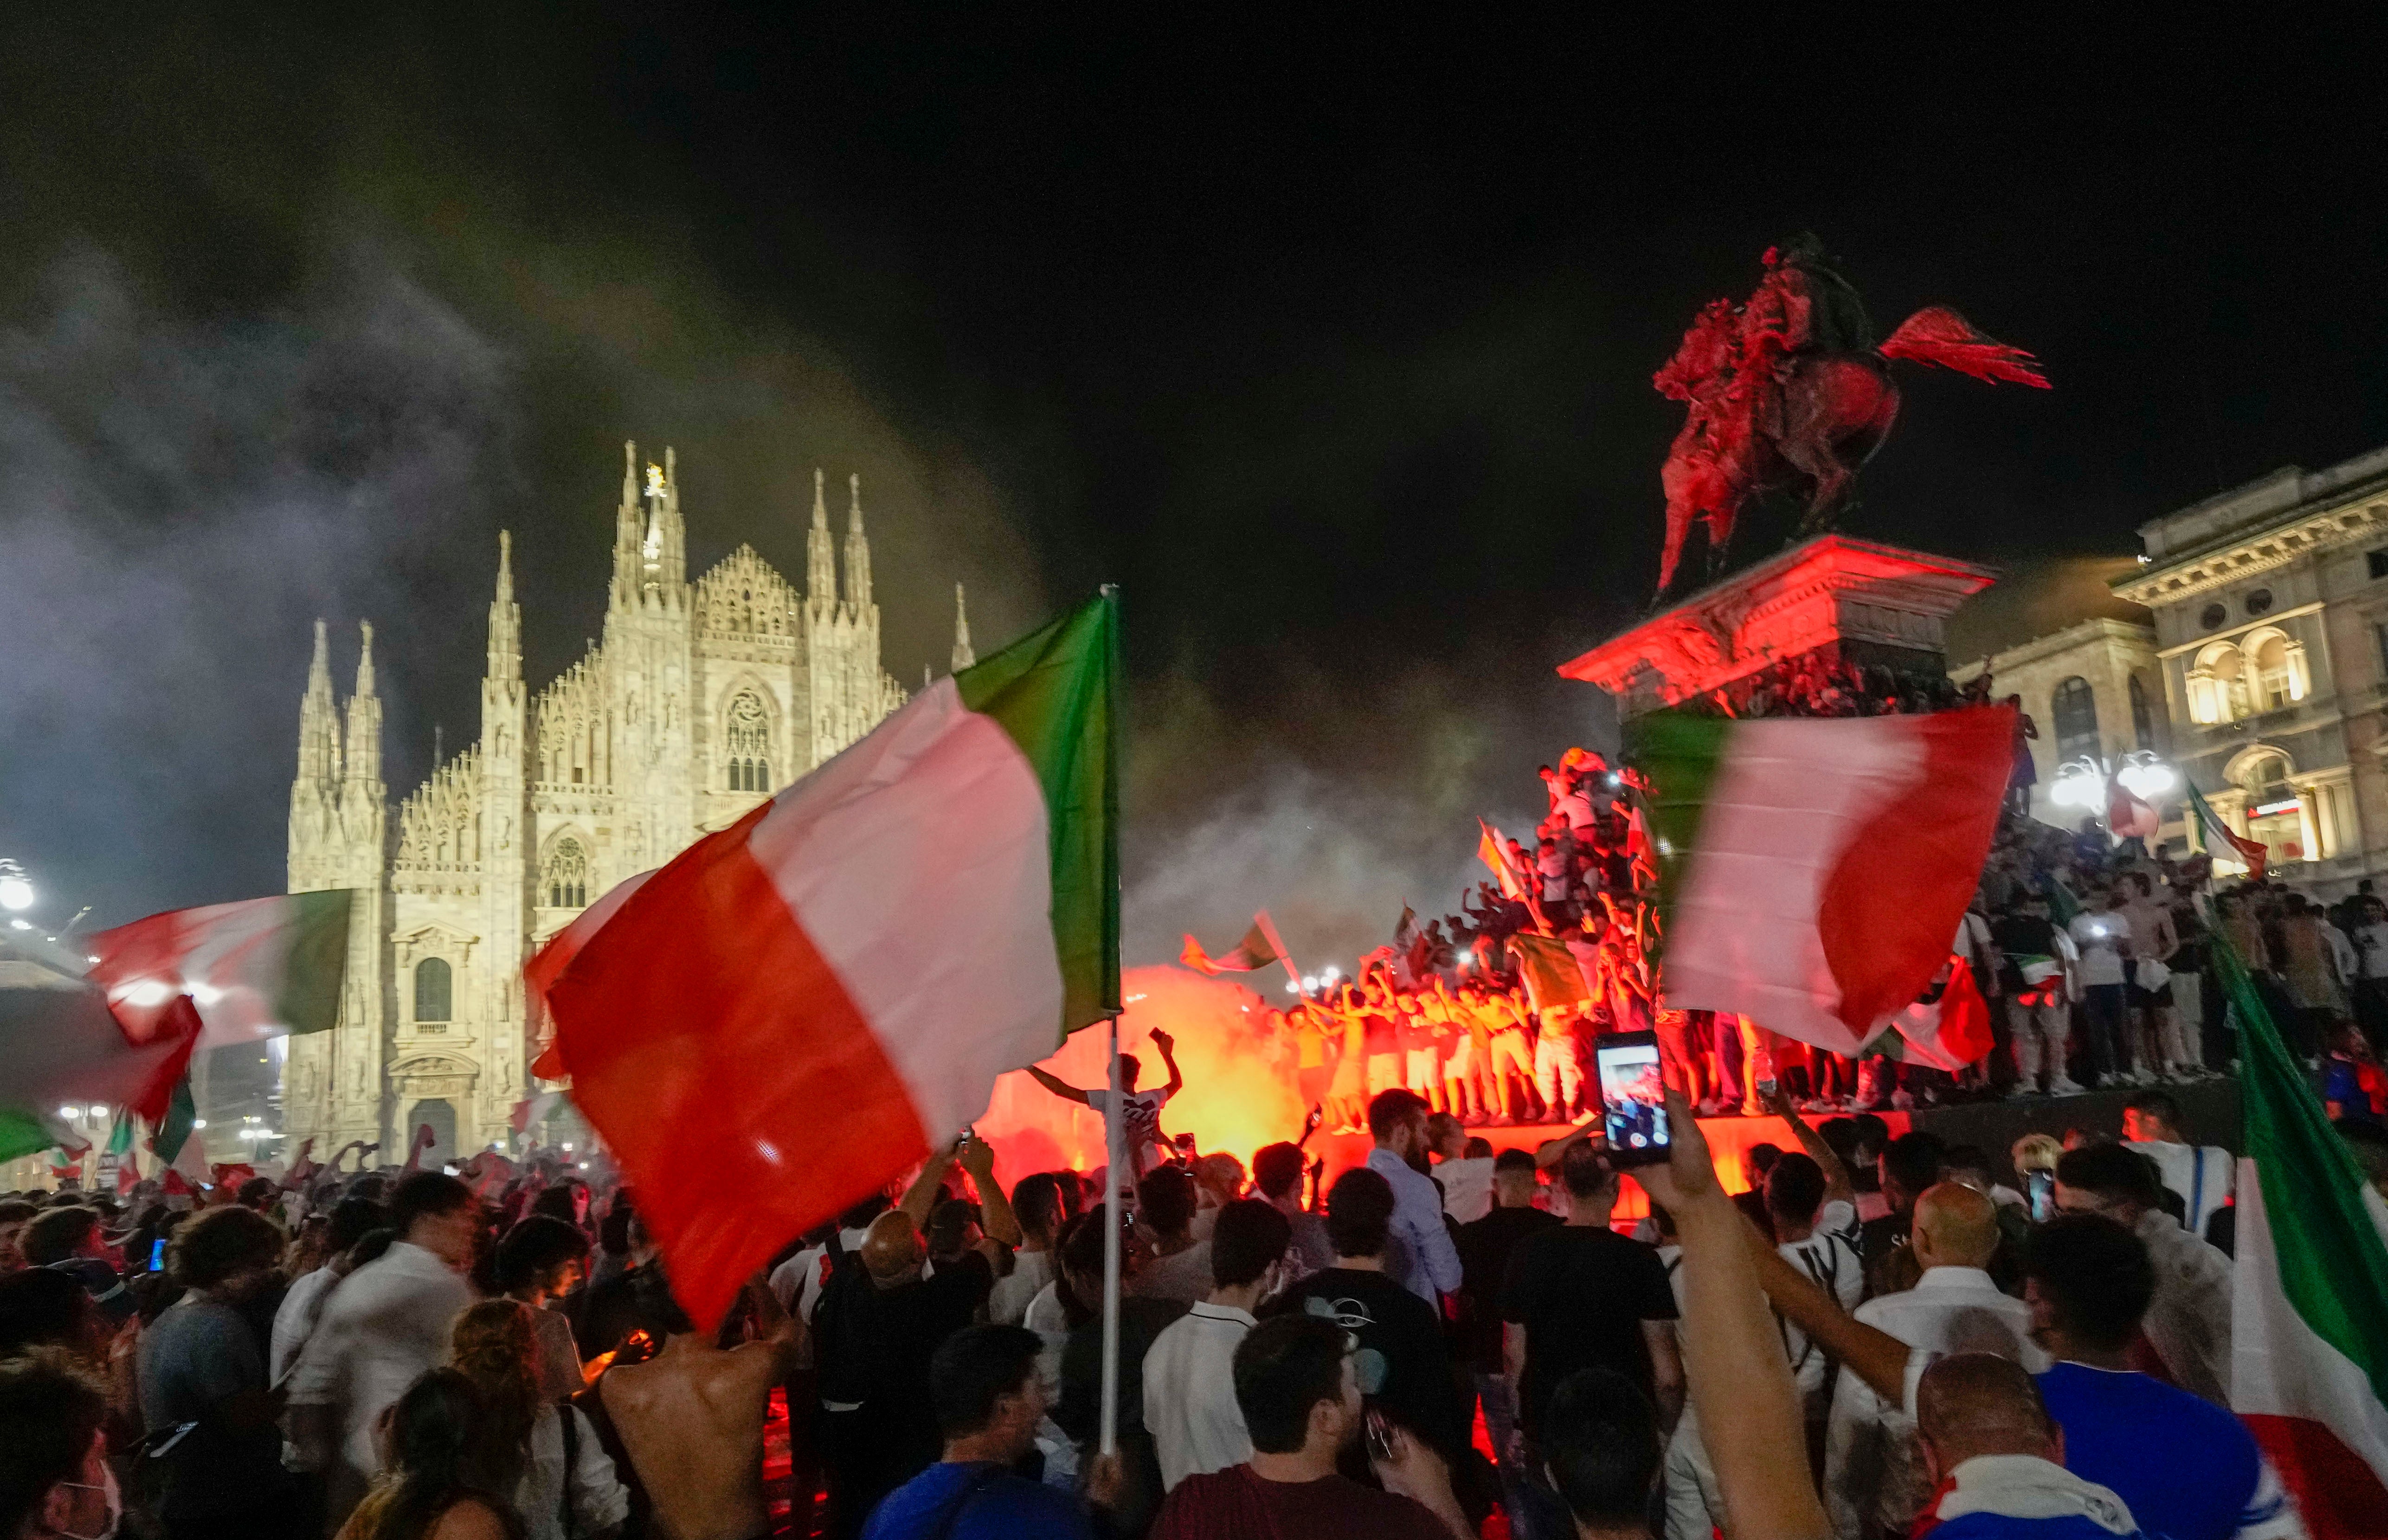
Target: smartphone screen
[2041,1186]
[1632,1097]
[157,1255]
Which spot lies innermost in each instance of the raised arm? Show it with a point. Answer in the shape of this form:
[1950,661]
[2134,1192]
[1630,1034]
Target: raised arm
[977,1158]
[423,1140]
[1167,1045]
[1749,1410]
[1550,1152]
[1836,1175]
[922,1196]
[1060,1088]
[779,1334]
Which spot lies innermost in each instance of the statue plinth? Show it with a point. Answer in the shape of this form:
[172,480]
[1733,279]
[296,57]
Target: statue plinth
[1833,600]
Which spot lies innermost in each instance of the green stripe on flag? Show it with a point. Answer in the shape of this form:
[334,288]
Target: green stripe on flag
[23,1133]
[1679,754]
[2332,1266]
[181,1113]
[317,962]
[1056,692]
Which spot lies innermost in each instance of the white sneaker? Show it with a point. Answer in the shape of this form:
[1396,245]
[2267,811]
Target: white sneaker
[2064,1086]
[2023,1091]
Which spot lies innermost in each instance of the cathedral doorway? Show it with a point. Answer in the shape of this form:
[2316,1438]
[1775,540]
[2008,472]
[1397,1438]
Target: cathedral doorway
[441,1114]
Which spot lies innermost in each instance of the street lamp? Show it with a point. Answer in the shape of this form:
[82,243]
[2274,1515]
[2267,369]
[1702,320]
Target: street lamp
[16,889]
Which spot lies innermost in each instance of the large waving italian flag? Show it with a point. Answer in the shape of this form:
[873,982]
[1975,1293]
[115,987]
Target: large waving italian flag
[255,968]
[802,1005]
[2309,1303]
[1814,869]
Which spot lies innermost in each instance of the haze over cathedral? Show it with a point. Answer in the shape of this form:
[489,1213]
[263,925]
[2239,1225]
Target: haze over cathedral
[700,699]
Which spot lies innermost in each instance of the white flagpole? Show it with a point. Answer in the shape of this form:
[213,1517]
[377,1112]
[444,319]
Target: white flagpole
[1112,1178]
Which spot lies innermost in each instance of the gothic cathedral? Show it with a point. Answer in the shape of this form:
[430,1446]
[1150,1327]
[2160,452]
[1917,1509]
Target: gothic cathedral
[702,700]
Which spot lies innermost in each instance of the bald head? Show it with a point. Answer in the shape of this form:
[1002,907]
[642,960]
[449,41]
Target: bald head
[1972,1404]
[892,1251]
[1955,1227]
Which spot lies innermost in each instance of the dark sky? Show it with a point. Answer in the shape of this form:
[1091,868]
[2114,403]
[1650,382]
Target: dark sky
[1332,347]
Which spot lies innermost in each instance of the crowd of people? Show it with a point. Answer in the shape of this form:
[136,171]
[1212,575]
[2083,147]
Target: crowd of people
[403,1353]
[2095,959]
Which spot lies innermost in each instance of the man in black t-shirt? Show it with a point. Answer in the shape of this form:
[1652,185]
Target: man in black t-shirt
[1485,1246]
[1417,1390]
[1582,1296]
[2033,1026]
[878,1324]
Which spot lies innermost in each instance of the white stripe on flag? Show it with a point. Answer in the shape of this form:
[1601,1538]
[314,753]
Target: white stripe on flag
[2278,1366]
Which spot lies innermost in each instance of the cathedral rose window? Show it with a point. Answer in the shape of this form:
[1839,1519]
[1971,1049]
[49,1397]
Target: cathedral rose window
[568,875]
[749,739]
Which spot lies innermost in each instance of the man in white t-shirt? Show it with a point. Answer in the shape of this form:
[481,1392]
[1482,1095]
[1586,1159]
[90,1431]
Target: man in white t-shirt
[1874,1476]
[2201,1174]
[1795,1200]
[1189,1375]
[1139,1110]
[2104,939]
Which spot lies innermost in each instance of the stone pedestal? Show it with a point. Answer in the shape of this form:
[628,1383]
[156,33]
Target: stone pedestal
[1832,600]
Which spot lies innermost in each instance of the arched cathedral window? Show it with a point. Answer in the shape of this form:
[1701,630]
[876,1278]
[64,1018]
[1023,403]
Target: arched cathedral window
[433,990]
[748,736]
[568,875]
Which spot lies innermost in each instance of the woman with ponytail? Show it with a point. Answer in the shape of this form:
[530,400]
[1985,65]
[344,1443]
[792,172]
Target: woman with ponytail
[563,1484]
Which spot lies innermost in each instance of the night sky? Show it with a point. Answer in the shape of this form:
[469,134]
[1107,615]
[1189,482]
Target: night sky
[1331,348]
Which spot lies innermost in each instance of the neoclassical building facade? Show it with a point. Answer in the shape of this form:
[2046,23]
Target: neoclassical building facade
[701,698]
[2271,614]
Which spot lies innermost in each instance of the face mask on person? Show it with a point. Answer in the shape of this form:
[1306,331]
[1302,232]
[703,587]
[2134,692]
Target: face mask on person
[112,1500]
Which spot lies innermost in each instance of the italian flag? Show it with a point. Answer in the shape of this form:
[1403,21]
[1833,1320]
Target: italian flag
[1259,948]
[60,1045]
[803,1005]
[1814,869]
[254,970]
[2309,1302]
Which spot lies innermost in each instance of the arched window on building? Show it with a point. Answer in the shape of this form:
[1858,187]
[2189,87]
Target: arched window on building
[2274,816]
[2143,725]
[747,733]
[566,878]
[2218,686]
[433,992]
[2076,711]
[2280,669]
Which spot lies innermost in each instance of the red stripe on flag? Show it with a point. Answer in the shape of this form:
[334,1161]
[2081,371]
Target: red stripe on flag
[727,1068]
[2339,1496]
[1895,895]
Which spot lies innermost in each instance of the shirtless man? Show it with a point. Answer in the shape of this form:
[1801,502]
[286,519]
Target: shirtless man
[691,1418]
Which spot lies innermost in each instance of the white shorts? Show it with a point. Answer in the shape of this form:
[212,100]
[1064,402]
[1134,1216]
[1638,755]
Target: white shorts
[1462,1060]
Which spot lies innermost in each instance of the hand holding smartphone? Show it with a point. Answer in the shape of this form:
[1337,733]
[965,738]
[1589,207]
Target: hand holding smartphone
[1632,1098]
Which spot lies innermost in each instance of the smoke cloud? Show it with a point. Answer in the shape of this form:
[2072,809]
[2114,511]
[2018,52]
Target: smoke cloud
[183,499]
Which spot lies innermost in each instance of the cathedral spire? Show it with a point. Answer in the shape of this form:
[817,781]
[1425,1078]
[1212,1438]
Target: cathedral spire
[963,656]
[505,617]
[363,758]
[672,554]
[628,528]
[318,739]
[858,552]
[820,554]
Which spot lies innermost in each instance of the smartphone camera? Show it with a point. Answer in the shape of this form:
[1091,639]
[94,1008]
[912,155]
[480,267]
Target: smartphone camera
[1632,1098]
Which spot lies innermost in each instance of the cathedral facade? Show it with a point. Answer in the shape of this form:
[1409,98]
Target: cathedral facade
[700,699]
